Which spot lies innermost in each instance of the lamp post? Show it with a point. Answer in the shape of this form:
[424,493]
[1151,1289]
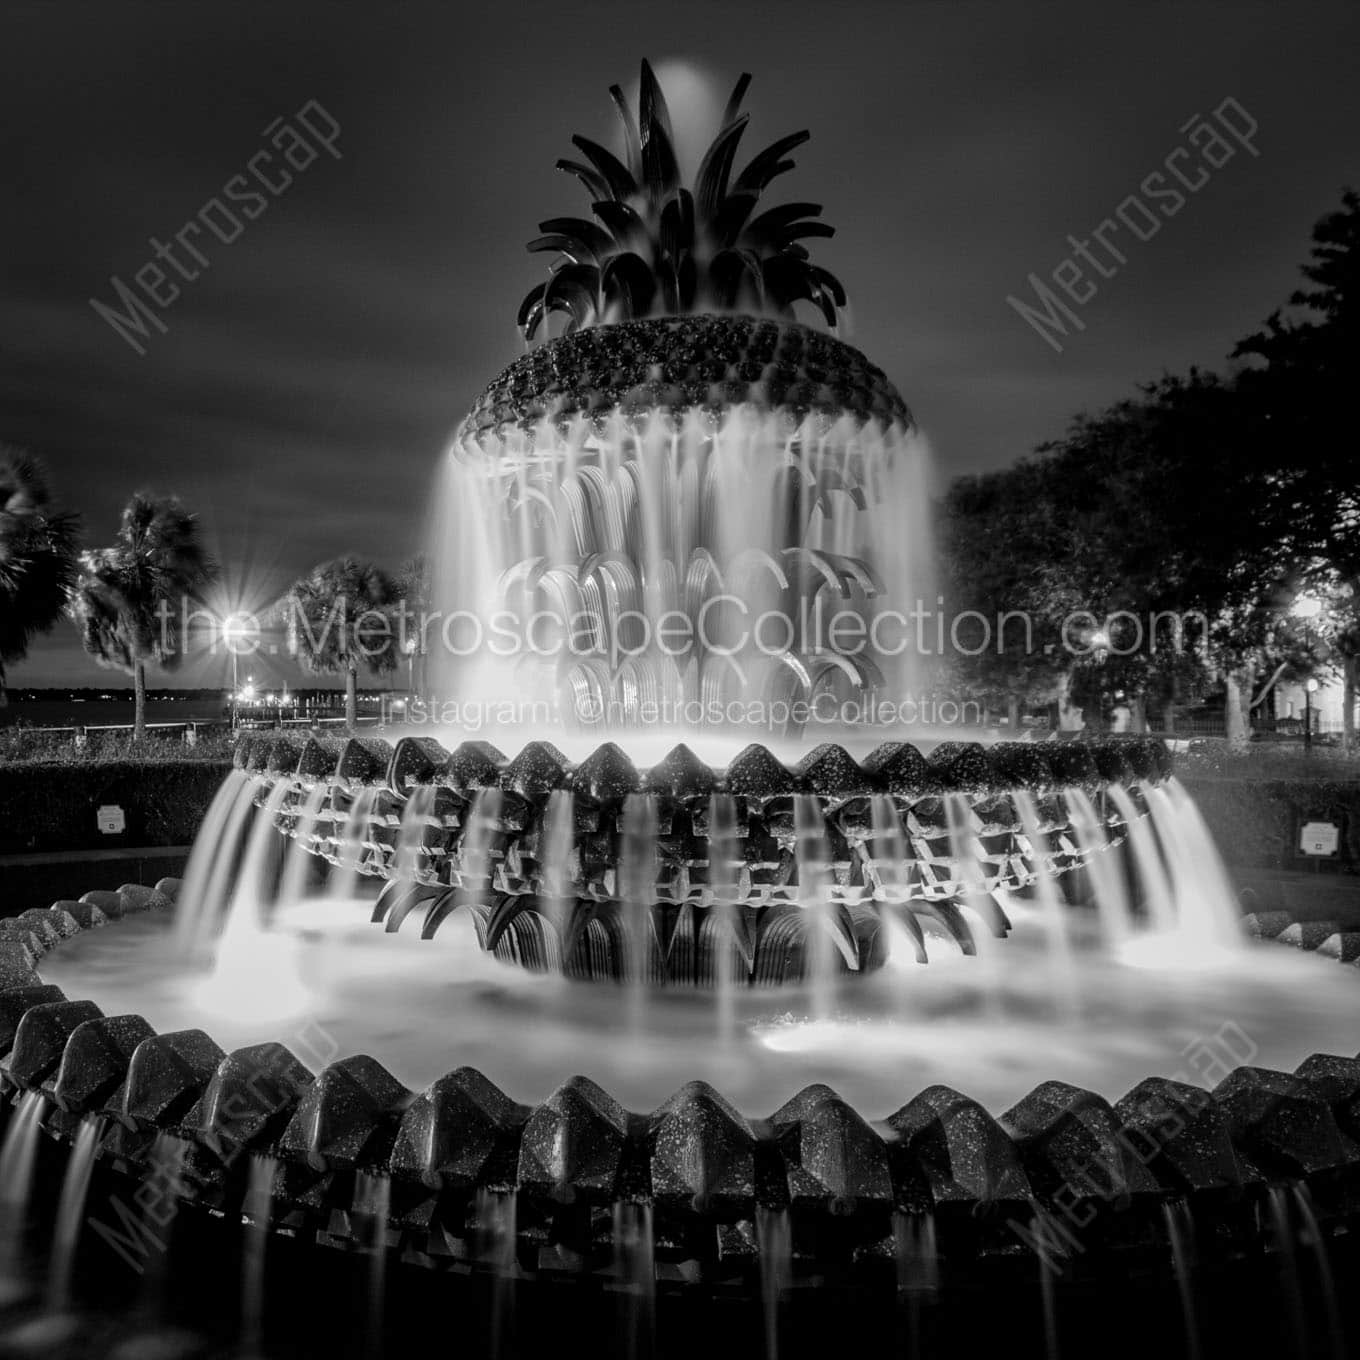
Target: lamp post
[1307,608]
[409,647]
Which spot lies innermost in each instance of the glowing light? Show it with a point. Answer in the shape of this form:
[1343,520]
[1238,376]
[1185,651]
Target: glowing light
[1175,952]
[1307,607]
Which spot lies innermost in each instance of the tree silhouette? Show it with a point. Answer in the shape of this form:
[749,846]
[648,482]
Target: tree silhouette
[127,598]
[38,551]
[339,617]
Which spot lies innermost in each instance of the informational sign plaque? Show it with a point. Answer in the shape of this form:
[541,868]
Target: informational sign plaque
[1319,838]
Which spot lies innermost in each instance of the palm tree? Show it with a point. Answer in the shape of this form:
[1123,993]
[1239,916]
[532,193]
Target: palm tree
[38,549]
[413,583]
[340,616]
[126,600]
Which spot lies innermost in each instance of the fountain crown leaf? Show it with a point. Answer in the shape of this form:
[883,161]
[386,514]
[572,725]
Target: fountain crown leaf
[661,248]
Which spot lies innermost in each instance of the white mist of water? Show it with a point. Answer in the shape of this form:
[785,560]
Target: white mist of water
[774,1241]
[350,854]
[812,856]
[257,1210]
[724,856]
[1149,866]
[634,1254]
[298,860]
[1052,910]
[373,1198]
[636,876]
[1208,919]
[209,874]
[1107,880]
[18,1155]
[644,523]
[71,1212]
[1316,1245]
[1180,1233]
[497,1218]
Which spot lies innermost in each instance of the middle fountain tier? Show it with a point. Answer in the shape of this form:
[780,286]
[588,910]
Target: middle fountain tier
[687,875]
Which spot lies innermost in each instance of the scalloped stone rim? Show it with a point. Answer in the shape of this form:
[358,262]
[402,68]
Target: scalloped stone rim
[705,1168]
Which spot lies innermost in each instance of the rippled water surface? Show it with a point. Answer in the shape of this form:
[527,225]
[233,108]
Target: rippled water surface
[329,983]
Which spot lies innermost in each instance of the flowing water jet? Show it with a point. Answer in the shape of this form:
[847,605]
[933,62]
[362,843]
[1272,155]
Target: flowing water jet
[774,1241]
[71,1213]
[1180,1236]
[634,1251]
[18,1156]
[257,1209]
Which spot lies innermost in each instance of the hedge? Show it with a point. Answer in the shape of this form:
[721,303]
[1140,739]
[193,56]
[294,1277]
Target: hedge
[1255,822]
[52,806]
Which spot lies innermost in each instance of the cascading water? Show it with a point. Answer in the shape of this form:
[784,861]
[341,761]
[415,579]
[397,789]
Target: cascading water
[631,565]
[210,874]
[257,1211]
[1207,916]
[1053,913]
[774,1240]
[1180,1230]
[17,1157]
[71,1213]
[634,1249]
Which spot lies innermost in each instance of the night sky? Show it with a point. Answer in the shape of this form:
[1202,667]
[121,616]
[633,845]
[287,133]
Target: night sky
[311,374]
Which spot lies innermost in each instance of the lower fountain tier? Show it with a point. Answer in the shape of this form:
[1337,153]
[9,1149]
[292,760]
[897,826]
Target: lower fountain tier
[851,1190]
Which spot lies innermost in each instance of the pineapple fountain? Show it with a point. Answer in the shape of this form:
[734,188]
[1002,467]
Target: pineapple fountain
[641,500]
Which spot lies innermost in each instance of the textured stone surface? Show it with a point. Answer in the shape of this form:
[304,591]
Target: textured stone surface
[834,1158]
[1281,1123]
[702,1152]
[138,897]
[1307,934]
[343,1115]
[15,1002]
[95,1061]
[252,1094]
[41,1039]
[1265,925]
[962,1151]
[1180,1134]
[110,903]
[85,914]
[668,364]
[1069,1142]
[461,1131]
[1341,945]
[573,1143]
[166,1075]
[1337,1081]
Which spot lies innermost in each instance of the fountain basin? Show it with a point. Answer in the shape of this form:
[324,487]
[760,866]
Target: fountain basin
[848,1186]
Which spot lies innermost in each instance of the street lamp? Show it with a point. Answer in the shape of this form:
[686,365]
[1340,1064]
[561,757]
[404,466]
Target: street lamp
[1307,608]
[235,630]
